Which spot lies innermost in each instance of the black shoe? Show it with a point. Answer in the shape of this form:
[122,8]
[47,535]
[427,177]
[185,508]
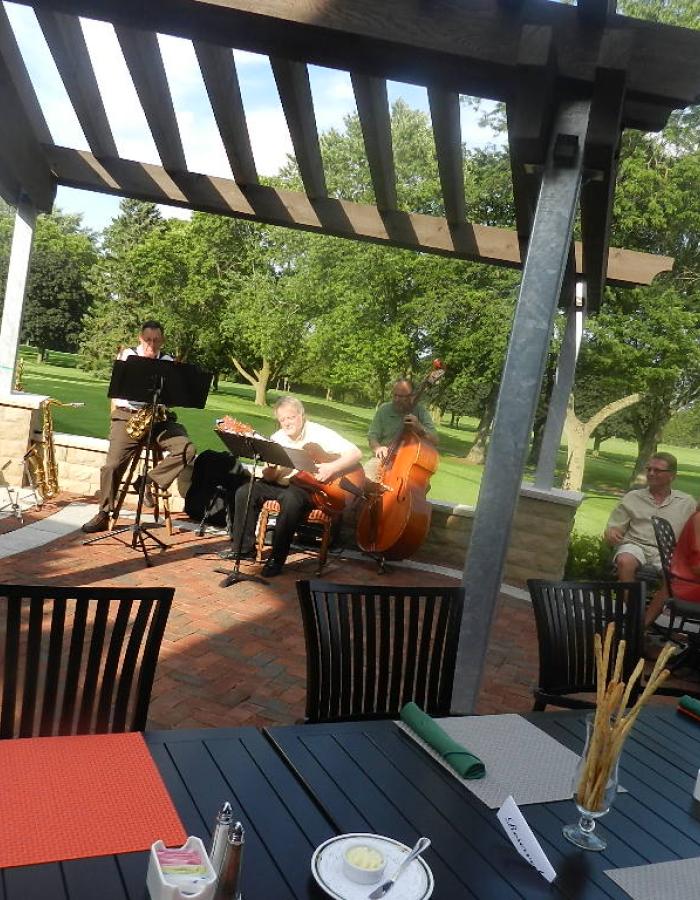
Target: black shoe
[272,568]
[99,522]
[148,500]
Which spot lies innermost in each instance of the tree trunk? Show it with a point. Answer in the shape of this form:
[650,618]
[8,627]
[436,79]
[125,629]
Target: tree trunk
[577,436]
[647,445]
[477,452]
[329,393]
[597,441]
[541,414]
[215,382]
[262,382]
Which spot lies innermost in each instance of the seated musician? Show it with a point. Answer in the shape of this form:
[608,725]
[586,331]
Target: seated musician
[169,435]
[391,418]
[295,432]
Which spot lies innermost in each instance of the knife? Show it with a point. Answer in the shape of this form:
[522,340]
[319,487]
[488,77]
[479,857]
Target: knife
[421,845]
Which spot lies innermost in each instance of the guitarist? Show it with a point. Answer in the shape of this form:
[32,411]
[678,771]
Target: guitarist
[295,432]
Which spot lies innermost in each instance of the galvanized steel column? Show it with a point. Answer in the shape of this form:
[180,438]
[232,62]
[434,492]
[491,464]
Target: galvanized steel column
[563,385]
[520,386]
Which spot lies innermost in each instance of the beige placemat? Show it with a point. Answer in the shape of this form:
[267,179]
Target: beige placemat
[676,880]
[521,760]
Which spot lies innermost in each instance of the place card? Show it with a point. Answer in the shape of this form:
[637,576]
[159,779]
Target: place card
[522,838]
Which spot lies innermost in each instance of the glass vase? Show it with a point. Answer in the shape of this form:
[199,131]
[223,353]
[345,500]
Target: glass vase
[593,805]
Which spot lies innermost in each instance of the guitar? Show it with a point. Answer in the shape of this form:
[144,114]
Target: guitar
[333,496]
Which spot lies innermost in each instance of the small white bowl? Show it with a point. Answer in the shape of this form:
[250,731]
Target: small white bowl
[358,863]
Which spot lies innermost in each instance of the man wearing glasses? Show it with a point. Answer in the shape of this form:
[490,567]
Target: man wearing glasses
[390,420]
[629,529]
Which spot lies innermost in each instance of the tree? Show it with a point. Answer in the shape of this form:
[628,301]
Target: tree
[60,286]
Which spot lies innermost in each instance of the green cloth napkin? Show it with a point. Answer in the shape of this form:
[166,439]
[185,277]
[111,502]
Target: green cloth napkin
[690,705]
[462,761]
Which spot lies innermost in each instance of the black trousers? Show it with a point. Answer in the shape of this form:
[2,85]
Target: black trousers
[294,505]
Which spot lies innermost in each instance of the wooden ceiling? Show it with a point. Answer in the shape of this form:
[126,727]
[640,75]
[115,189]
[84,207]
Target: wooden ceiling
[528,53]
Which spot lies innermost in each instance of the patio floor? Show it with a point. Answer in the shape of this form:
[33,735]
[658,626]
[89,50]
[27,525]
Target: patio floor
[235,656]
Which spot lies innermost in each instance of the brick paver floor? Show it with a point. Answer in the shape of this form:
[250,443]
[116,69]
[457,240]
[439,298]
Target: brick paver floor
[235,656]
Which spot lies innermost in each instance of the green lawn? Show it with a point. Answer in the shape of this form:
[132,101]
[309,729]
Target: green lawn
[606,477]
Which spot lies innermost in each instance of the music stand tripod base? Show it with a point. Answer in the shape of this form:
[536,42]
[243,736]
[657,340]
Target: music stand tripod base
[233,577]
[140,534]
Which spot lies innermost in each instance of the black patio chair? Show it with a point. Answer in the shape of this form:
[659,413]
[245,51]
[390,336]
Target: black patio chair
[567,615]
[680,612]
[371,649]
[78,660]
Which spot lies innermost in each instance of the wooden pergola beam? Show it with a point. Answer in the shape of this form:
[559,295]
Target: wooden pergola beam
[341,218]
[469,47]
[445,116]
[375,120]
[66,41]
[143,58]
[292,79]
[221,82]
[10,52]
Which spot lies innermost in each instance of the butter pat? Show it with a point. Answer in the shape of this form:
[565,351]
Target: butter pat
[363,864]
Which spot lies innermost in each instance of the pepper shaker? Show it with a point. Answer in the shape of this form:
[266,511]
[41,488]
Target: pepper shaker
[229,886]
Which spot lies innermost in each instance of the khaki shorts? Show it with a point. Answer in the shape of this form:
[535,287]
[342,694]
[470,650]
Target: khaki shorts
[646,556]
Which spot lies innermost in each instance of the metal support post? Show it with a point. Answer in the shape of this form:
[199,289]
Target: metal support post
[520,386]
[18,269]
[563,385]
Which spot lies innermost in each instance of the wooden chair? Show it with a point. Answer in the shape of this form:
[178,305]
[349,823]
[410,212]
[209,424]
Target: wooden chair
[316,520]
[78,660]
[371,649]
[680,612]
[136,464]
[567,615]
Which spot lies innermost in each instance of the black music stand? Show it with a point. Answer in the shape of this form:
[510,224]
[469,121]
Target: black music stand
[154,382]
[259,450]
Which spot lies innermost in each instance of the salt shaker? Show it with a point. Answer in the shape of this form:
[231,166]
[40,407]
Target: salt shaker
[229,886]
[219,836]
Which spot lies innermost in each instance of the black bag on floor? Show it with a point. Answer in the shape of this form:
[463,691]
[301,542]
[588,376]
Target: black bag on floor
[215,478]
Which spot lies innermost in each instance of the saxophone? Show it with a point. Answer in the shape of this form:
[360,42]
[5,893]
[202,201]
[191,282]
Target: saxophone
[41,456]
[139,422]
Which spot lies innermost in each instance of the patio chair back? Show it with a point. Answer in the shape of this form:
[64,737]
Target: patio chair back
[568,615]
[78,660]
[666,543]
[370,649]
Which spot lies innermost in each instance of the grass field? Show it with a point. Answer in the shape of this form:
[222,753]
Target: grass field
[606,476]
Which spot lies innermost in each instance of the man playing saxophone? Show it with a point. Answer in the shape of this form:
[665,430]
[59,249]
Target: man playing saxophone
[169,435]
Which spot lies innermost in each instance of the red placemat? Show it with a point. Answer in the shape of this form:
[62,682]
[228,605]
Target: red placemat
[88,795]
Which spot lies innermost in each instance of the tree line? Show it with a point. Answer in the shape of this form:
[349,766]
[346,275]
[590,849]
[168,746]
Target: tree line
[344,318]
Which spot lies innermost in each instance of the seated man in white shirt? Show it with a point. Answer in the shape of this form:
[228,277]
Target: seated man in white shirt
[169,435]
[630,531]
[295,432]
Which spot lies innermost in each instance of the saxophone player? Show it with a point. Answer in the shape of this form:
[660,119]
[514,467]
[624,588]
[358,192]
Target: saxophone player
[170,436]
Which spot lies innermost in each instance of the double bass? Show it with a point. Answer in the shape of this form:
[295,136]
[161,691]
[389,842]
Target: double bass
[395,519]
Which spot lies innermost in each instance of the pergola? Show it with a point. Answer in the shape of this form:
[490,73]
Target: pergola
[572,79]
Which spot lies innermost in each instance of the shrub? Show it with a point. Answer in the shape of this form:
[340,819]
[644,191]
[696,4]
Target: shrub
[589,558]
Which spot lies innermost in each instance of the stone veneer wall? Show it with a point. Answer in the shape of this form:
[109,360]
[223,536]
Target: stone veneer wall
[20,421]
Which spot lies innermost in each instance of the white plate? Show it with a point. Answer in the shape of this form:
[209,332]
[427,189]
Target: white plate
[416,883]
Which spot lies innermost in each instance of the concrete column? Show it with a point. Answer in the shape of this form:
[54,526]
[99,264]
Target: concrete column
[563,385]
[22,236]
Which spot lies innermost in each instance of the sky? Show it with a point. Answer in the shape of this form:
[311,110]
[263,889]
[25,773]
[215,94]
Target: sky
[331,89]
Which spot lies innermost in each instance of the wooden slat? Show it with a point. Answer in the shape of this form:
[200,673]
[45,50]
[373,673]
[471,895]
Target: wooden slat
[430,234]
[464,45]
[221,81]
[66,40]
[23,166]
[292,79]
[373,109]
[10,52]
[143,57]
[444,112]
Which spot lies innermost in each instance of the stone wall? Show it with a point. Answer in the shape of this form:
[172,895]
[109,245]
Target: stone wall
[539,540]
[20,422]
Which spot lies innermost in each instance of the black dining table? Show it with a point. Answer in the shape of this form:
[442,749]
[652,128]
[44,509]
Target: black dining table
[294,787]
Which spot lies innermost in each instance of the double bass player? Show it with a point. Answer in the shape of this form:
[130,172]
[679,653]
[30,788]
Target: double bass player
[392,418]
